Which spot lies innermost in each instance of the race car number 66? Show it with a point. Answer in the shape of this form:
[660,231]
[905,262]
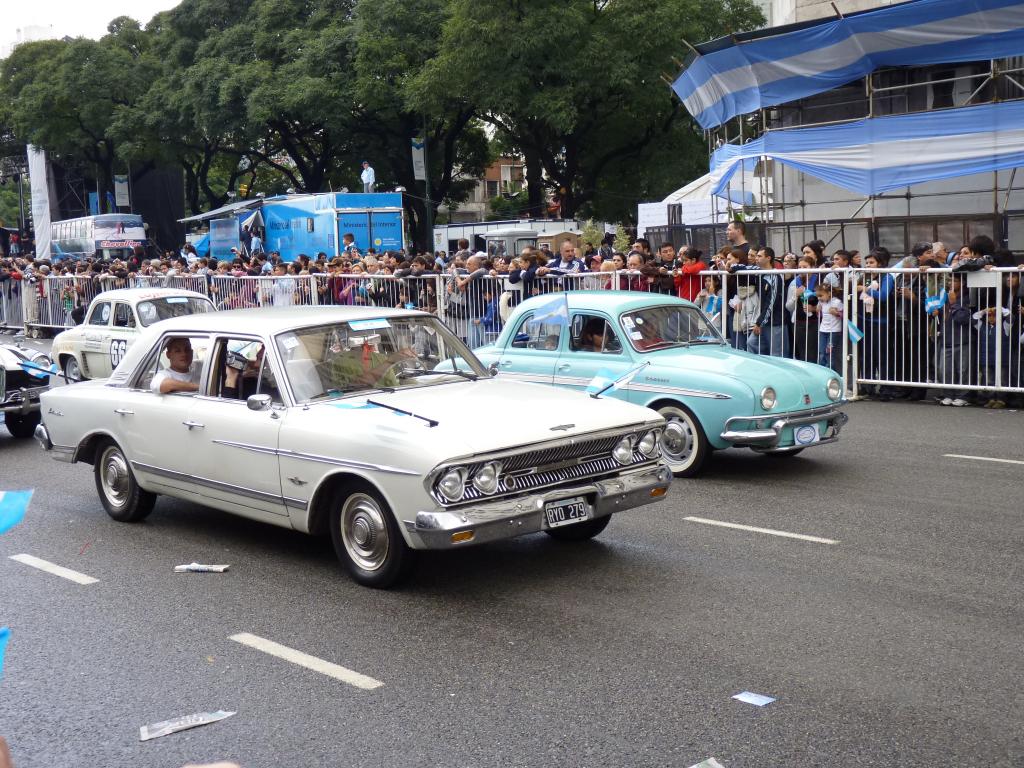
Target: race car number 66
[117,349]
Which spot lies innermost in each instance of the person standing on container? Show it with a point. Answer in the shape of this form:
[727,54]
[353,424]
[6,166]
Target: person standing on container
[367,177]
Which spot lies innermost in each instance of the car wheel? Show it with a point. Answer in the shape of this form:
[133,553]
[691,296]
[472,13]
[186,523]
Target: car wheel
[588,529]
[683,443]
[367,539]
[22,425]
[119,492]
[72,371]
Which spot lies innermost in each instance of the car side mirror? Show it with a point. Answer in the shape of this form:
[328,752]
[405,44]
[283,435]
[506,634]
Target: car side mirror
[493,368]
[258,402]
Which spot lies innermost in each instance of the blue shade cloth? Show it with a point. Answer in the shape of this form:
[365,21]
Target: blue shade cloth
[12,508]
[5,635]
[879,154]
[743,76]
[555,311]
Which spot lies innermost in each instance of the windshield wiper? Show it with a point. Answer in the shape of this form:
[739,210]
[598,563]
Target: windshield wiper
[379,404]
[413,374]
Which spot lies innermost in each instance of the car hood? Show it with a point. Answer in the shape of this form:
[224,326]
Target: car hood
[494,414]
[791,379]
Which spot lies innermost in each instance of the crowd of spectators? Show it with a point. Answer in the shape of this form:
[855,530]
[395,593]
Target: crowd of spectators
[918,325]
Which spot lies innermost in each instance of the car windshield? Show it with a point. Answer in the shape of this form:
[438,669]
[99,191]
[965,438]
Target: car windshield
[664,327]
[154,310]
[364,355]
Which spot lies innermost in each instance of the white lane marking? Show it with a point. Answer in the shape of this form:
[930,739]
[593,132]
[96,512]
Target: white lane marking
[305,660]
[769,531]
[56,570]
[980,458]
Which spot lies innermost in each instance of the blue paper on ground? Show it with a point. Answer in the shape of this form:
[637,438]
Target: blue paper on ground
[12,508]
[5,633]
[757,699]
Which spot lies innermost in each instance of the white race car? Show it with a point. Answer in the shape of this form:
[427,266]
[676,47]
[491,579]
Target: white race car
[93,349]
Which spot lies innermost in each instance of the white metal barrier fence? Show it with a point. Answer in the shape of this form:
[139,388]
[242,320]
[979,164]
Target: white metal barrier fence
[881,329]
[886,330]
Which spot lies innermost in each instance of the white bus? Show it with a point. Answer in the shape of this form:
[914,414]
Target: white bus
[108,236]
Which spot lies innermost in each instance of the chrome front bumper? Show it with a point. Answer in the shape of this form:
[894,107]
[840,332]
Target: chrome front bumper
[765,432]
[506,518]
[28,401]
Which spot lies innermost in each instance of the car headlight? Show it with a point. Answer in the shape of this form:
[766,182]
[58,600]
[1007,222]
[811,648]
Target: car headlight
[623,451]
[835,389]
[452,484]
[648,444]
[767,398]
[486,478]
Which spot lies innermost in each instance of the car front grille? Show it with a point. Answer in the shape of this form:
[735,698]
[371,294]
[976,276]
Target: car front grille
[551,467]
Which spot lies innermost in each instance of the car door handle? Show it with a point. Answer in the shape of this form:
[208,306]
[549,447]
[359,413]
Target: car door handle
[191,424]
[564,367]
[506,363]
[124,412]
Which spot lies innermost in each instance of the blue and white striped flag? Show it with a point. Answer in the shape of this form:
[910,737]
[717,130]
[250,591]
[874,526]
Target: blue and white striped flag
[554,311]
[855,333]
[934,303]
[605,380]
[39,371]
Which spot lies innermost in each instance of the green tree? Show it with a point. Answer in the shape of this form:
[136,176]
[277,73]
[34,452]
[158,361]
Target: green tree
[575,86]
[395,40]
[66,95]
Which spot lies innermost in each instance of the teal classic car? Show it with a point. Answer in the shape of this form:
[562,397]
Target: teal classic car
[670,358]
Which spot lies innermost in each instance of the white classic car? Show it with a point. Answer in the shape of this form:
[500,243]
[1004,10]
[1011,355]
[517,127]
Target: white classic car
[113,322]
[379,426]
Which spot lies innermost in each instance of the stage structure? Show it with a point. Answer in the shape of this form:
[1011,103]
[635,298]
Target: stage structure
[886,127]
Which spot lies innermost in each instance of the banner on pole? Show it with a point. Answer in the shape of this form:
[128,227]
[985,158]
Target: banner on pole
[121,194]
[419,167]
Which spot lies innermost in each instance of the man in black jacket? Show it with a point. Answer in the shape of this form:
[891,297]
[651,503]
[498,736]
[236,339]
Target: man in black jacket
[768,335]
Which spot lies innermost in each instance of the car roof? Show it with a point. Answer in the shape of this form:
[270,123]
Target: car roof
[610,302]
[139,294]
[270,320]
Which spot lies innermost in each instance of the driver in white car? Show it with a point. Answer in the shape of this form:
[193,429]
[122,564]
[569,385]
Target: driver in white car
[183,373]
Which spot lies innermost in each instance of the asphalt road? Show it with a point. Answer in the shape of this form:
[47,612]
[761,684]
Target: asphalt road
[900,644]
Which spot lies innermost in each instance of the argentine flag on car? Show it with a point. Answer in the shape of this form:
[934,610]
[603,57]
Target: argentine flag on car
[554,311]
[38,371]
[605,380]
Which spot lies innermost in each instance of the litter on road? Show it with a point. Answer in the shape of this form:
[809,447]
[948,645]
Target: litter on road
[12,508]
[156,730]
[757,699]
[5,635]
[709,763]
[200,568]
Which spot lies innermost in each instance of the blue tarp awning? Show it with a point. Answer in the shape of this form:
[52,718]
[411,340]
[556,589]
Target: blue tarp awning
[878,154]
[743,76]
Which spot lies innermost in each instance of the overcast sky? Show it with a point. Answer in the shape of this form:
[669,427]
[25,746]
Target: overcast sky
[74,18]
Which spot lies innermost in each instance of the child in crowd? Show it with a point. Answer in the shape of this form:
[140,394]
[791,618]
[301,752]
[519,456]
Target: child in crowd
[954,363]
[710,297]
[989,323]
[830,327]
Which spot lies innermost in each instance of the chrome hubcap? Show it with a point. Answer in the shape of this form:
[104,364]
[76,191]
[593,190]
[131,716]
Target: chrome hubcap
[677,441]
[364,532]
[115,477]
[72,371]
